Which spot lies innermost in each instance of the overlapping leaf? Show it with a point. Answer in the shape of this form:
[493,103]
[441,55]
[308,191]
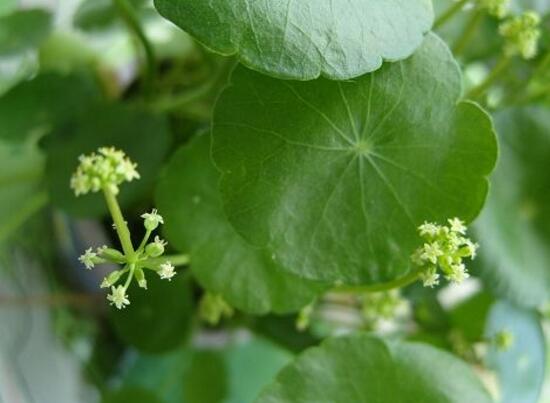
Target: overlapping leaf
[515,225]
[361,368]
[303,39]
[334,177]
[249,279]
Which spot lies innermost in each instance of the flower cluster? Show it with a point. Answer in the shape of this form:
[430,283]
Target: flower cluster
[445,247]
[105,170]
[213,307]
[378,307]
[522,34]
[497,8]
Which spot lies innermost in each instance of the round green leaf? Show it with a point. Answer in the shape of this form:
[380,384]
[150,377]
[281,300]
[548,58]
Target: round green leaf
[521,368]
[335,177]
[24,29]
[158,319]
[361,368]
[144,137]
[306,38]
[515,225]
[35,107]
[248,278]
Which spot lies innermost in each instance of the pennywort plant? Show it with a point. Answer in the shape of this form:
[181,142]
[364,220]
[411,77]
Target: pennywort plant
[104,172]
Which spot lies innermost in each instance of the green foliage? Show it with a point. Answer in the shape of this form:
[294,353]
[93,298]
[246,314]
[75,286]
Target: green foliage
[22,30]
[158,319]
[316,161]
[143,135]
[336,189]
[248,278]
[364,368]
[305,39]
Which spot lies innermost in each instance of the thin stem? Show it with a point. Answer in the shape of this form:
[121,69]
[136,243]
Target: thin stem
[144,240]
[499,68]
[390,285]
[469,31]
[130,276]
[120,225]
[176,260]
[449,13]
[131,19]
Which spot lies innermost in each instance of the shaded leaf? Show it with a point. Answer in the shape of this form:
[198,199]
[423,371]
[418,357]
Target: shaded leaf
[334,177]
[361,368]
[143,136]
[99,14]
[35,107]
[515,226]
[158,319]
[304,39]
[521,368]
[24,29]
[248,278]
[130,395]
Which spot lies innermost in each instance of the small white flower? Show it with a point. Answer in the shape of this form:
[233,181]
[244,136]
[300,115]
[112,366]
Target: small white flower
[118,297]
[428,228]
[166,271]
[457,226]
[152,220]
[105,283]
[430,277]
[88,259]
[471,248]
[431,252]
[458,274]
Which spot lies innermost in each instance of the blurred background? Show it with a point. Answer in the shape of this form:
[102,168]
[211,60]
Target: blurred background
[73,74]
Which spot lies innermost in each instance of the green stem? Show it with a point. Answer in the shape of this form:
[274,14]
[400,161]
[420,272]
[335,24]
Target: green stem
[176,260]
[499,68]
[15,220]
[120,225]
[131,20]
[130,276]
[144,240]
[469,31]
[390,285]
[449,13]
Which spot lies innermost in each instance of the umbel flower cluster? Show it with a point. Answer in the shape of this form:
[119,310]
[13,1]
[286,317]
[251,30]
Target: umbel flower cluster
[522,34]
[497,8]
[444,248]
[105,171]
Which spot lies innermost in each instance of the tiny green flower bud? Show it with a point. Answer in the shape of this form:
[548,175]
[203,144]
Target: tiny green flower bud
[140,277]
[152,220]
[304,317]
[155,248]
[497,8]
[522,34]
[503,340]
[111,279]
[112,255]
[213,307]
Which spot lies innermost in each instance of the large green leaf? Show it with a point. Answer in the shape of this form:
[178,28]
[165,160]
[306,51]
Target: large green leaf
[361,368]
[335,177]
[521,368]
[515,226]
[159,318]
[143,136]
[23,29]
[222,261]
[303,39]
[37,106]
